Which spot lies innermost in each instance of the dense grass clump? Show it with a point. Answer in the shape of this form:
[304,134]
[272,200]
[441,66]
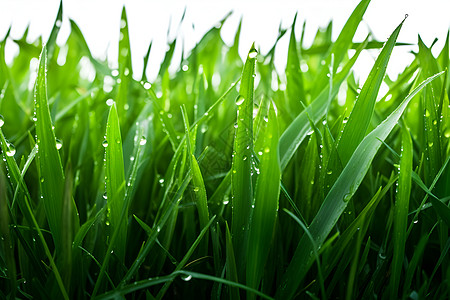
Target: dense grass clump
[224,179]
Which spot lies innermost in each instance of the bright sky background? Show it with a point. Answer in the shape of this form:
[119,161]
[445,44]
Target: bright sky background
[99,21]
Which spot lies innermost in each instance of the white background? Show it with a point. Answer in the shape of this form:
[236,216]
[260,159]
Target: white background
[149,21]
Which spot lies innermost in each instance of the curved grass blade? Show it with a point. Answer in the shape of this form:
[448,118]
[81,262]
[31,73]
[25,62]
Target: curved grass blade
[232,274]
[401,211]
[115,181]
[241,177]
[139,285]
[51,42]
[199,185]
[49,162]
[338,197]
[264,213]
[359,120]
[187,256]
[340,47]
[293,136]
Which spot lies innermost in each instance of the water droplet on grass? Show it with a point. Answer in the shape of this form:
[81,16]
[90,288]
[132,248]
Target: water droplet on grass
[11,150]
[347,197]
[105,143]
[252,54]
[2,121]
[186,278]
[239,100]
[109,102]
[147,85]
[58,144]
[196,189]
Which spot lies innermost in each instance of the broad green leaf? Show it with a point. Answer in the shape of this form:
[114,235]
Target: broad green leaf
[338,197]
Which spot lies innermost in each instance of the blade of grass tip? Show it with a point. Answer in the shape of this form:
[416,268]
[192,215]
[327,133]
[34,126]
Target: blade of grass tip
[146,58]
[264,213]
[339,195]
[115,181]
[125,67]
[8,250]
[340,47]
[241,177]
[186,257]
[231,264]
[401,211]
[361,114]
[294,78]
[293,136]
[199,186]
[50,168]
[51,42]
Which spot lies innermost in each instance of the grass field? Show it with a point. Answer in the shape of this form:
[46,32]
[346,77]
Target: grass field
[225,179]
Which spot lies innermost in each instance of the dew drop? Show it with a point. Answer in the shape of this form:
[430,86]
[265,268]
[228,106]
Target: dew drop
[244,158]
[161,181]
[260,153]
[347,197]
[34,119]
[239,100]
[109,102]
[416,221]
[330,172]
[11,150]
[58,144]
[105,195]
[2,121]
[147,85]
[105,143]
[266,119]
[143,141]
[196,189]
[427,113]
[447,133]
[186,278]
[252,54]
[430,144]
[267,150]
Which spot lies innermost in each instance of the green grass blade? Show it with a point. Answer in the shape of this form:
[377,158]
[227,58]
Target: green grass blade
[197,179]
[186,257]
[241,177]
[401,211]
[125,69]
[359,120]
[51,42]
[293,136]
[50,168]
[232,274]
[267,192]
[294,77]
[338,197]
[340,47]
[115,181]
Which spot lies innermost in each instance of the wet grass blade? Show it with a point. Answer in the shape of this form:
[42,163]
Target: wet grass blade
[242,165]
[293,136]
[339,195]
[115,181]
[50,168]
[197,179]
[359,120]
[340,47]
[264,213]
[232,274]
[401,211]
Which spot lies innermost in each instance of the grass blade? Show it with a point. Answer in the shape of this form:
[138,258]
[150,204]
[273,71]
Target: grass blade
[49,161]
[338,197]
[115,181]
[361,114]
[401,211]
[241,177]
[293,136]
[267,192]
